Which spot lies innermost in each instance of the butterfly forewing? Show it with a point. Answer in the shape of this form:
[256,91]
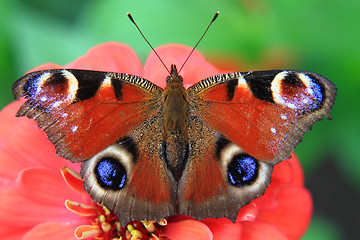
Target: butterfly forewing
[265,112]
[84,112]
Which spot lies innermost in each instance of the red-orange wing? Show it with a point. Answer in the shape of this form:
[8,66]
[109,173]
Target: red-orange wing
[266,113]
[83,112]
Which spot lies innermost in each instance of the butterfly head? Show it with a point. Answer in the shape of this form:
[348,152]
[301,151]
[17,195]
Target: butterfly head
[174,76]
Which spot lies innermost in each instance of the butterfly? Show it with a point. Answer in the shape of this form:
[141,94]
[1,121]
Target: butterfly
[148,152]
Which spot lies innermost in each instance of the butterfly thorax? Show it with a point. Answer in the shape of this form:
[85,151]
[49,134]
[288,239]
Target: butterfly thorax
[175,105]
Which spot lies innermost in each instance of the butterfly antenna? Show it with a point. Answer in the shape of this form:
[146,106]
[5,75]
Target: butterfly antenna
[214,18]
[133,21]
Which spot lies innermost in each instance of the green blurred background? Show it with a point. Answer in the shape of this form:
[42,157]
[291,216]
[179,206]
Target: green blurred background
[313,35]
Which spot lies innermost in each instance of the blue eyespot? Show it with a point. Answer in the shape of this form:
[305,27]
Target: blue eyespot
[110,173]
[242,170]
[318,96]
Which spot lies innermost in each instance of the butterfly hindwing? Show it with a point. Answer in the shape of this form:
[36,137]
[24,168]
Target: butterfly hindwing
[219,177]
[131,178]
[266,113]
[83,112]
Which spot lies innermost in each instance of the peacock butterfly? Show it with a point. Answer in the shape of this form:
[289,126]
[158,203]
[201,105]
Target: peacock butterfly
[149,153]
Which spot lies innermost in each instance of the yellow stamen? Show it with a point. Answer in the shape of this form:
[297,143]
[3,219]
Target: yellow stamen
[102,218]
[163,222]
[149,225]
[136,233]
[81,209]
[106,227]
[118,226]
[127,234]
[107,211]
[154,237]
[130,228]
[87,231]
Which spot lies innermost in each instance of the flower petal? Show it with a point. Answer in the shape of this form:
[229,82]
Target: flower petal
[45,186]
[8,169]
[52,231]
[248,213]
[73,180]
[110,57]
[288,172]
[223,228]
[293,214]
[46,66]
[11,232]
[24,143]
[262,231]
[188,229]
[18,210]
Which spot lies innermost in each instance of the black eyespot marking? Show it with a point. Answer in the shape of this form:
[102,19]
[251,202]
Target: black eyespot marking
[117,85]
[221,143]
[89,83]
[293,80]
[260,84]
[129,144]
[242,170]
[110,173]
[230,88]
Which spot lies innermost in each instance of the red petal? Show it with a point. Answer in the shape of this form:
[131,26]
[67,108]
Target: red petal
[223,228]
[196,69]
[25,143]
[45,186]
[19,210]
[52,231]
[110,57]
[7,117]
[261,231]
[11,232]
[45,67]
[8,169]
[188,229]
[248,213]
[288,172]
[293,214]
[73,180]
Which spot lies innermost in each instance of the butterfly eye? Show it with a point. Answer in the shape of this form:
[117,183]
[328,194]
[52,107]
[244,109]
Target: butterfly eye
[242,170]
[110,173]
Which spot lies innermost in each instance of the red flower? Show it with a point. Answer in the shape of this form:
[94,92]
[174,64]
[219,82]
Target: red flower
[33,191]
